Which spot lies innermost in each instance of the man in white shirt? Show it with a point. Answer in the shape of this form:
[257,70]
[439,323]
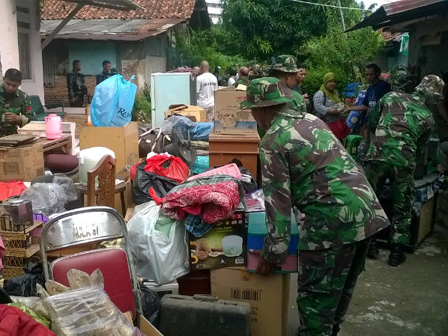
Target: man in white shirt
[206,84]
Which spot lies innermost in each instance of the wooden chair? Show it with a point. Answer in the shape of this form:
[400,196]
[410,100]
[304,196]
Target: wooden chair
[105,194]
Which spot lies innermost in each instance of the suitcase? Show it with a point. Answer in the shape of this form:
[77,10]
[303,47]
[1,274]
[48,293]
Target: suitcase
[203,315]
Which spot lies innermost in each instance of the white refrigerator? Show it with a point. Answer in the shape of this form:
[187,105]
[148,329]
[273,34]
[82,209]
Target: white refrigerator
[168,89]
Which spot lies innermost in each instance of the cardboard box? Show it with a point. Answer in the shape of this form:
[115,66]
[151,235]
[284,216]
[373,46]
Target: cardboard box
[291,264]
[123,141]
[216,250]
[426,220]
[23,163]
[144,326]
[229,119]
[147,328]
[194,113]
[268,297]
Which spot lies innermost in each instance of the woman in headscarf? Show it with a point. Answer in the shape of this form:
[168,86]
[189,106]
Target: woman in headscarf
[329,106]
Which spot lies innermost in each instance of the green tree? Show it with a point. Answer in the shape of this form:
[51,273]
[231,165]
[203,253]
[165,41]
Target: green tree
[267,27]
[213,45]
[345,54]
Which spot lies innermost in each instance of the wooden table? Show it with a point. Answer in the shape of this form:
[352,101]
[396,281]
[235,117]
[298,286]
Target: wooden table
[224,148]
[63,144]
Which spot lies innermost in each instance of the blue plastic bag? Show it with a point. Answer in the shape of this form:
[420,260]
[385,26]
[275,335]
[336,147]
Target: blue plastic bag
[113,102]
[201,131]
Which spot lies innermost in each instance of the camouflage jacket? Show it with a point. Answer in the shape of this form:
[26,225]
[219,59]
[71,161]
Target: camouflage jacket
[242,81]
[401,125]
[17,103]
[297,101]
[303,165]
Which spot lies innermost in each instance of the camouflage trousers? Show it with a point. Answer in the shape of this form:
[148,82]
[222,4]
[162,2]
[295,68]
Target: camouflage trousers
[401,182]
[326,282]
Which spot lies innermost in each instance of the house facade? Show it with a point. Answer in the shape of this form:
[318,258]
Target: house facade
[136,43]
[426,21]
[20,46]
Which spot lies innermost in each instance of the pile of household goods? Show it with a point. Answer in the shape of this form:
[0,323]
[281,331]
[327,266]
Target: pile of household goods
[198,230]
[195,227]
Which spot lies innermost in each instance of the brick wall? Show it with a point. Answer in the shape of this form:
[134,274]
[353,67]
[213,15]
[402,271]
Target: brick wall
[59,92]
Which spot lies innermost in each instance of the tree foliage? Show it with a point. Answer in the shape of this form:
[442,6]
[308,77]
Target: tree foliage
[268,27]
[345,54]
[314,34]
[214,45]
[257,30]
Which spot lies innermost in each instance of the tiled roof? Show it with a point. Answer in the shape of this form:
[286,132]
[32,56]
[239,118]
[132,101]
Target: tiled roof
[182,9]
[109,29]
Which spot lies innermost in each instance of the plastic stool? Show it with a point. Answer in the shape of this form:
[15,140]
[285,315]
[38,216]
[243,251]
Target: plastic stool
[351,143]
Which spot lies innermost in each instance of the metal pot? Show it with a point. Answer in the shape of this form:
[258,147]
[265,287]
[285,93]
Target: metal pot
[20,210]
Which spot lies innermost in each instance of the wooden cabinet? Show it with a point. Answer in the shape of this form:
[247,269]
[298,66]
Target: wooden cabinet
[224,148]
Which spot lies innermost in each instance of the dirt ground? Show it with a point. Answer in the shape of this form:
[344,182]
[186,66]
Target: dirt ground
[410,300]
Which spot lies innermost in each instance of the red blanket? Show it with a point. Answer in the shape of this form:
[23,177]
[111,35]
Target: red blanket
[213,198]
[14,322]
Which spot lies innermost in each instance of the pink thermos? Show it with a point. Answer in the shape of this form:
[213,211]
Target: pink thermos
[53,127]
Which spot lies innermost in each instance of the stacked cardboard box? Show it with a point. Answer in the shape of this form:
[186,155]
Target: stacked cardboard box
[23,163]
[268,297]
[229,118]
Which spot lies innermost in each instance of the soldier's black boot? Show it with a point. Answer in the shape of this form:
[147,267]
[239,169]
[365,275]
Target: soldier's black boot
[373,252]
[336,329]
[396,256]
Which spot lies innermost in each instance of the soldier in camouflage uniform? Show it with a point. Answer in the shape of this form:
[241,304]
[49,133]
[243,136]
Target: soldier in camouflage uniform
[303,165]
[400,79]
[285,69]
[15,108]
[402,124]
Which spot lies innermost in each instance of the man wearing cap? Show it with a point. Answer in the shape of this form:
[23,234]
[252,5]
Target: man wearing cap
[285,69]
[402,124]
[303,165]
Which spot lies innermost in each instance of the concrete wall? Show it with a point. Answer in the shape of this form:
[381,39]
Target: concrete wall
[9,46]
[133,58]
[35,85]
[429,39]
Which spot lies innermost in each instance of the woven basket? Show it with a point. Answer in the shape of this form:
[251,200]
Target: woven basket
[81,121]
[10,272]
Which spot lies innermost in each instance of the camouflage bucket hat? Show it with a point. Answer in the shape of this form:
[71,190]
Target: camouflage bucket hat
[285,63]
[432,88]
[263,92]
[400,78]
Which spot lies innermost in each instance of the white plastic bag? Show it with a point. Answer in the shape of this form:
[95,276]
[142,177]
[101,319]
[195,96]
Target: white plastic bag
[87,311]
[157,256]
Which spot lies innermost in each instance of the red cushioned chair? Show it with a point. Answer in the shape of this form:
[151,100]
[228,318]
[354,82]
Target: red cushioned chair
[83,227]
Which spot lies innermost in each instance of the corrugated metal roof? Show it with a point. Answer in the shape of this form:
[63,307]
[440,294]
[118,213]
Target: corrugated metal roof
[109,29]
[402,11]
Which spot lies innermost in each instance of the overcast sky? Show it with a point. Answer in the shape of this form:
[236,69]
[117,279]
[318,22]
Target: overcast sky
[379,2]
